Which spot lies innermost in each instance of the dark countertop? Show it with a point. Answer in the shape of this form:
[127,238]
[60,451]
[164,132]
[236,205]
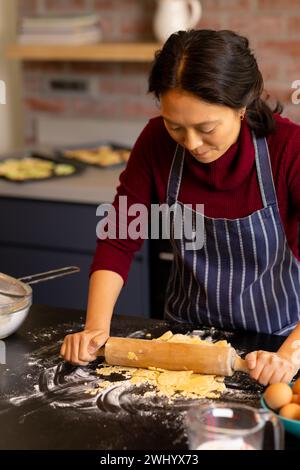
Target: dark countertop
[44,404]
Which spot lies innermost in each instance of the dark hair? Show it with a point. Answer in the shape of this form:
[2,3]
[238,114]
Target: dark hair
[219,68]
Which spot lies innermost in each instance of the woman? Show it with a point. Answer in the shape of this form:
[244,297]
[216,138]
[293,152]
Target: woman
[217,143]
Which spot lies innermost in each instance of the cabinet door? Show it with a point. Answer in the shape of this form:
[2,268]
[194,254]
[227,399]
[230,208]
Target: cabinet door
[71,291]
[39,236]
[41,224]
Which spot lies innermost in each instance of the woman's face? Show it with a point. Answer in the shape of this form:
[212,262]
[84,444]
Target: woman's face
[205,130]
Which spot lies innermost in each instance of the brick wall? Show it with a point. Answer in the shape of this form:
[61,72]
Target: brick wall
[118,91]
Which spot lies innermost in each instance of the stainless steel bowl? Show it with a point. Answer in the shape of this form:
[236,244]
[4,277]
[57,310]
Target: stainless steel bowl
[16,297]
[13,310]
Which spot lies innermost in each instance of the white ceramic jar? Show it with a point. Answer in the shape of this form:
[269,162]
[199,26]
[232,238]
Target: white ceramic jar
[175,15]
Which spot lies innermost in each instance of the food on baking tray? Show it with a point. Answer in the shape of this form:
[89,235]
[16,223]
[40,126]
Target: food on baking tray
[28,168]
[103,155]
[64,169]
[125,154]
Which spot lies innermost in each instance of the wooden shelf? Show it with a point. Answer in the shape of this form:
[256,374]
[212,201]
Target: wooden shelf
[102,52]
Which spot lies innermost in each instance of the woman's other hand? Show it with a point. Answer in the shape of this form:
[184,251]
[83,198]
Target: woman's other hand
[270,367]
[81,348]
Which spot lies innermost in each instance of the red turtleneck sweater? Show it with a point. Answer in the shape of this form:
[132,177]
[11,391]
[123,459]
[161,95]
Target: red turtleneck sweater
[228,187]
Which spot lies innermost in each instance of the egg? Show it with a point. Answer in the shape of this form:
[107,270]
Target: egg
[296,386]
[296,398]
[278,395]
[290,411]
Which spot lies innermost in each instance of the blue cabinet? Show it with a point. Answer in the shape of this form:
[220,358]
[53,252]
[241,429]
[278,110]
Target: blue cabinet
[37,236]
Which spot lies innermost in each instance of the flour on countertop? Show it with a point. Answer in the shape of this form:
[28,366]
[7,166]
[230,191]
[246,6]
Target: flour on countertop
[54,383]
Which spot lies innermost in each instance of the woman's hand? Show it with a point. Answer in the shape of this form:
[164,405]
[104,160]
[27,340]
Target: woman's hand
[80,348]
[269,367]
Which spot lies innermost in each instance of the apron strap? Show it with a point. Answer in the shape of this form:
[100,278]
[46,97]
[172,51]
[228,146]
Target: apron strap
[264,171]
[175,175]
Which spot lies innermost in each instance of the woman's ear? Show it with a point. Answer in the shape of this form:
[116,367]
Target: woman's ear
[242,113]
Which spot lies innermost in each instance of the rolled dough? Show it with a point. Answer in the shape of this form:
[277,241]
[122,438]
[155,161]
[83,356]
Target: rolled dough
[173,383]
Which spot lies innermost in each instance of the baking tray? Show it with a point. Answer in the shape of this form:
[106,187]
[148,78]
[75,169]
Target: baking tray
[40,156]
[61,154]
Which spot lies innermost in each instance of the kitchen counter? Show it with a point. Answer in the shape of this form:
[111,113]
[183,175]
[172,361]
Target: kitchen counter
[44,404]
[92,186]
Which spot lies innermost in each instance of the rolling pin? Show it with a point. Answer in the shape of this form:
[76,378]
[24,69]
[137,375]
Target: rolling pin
[200,358]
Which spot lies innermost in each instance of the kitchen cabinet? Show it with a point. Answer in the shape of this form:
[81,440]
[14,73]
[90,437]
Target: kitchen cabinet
[40,235]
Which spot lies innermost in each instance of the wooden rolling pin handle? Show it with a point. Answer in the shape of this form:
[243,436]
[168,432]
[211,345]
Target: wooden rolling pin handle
[240,364]
[101,351]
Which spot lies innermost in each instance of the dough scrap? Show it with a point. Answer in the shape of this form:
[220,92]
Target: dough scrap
[168,337]
[132,356]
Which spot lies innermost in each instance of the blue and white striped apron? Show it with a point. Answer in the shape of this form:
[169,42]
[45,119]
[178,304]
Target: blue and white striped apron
[245,276]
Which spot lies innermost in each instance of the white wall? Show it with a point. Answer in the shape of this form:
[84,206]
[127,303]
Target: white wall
[11,119]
